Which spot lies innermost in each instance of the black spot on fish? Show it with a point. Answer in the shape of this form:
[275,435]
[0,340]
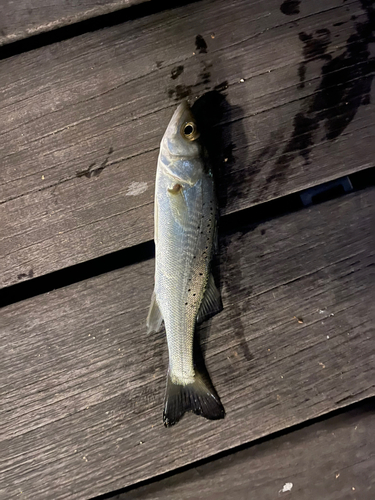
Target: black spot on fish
[200,44]
[262,232]
[159,64]
[339,24]
[290,7]
[176,72]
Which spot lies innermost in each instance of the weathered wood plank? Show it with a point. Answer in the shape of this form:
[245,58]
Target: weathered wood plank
[82,120]
[23,18]
[333,459]
[82,385]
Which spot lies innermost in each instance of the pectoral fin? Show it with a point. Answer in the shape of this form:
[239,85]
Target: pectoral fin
[211,303]
[154,318]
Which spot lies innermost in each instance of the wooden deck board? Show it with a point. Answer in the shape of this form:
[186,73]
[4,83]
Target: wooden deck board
[331,460]
[82,385]
[23,19]
[82,120]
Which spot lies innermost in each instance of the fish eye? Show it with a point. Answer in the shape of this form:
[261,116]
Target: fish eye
[189,131]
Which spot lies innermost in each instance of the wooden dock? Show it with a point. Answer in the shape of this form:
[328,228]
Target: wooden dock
[285,91]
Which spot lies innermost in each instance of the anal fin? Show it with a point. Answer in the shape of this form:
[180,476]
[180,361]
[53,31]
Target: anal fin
[211,302]
[154,317]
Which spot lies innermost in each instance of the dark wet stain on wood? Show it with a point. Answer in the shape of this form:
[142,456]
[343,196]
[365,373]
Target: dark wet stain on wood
[95,172]
[228,153]
[30,274]
[176,72]
[290,7]
[180,92]
[205,73]
[345,85]
[221,86]
[200,44]
[314,47]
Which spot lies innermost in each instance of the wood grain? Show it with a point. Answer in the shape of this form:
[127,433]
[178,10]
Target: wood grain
[26,18]
[333,459]
[82,120]
[81,384]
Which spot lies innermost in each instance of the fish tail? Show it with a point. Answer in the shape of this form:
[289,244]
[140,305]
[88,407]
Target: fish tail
[199,397]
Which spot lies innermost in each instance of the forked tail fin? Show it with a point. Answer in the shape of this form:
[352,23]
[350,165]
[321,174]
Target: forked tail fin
[198,397]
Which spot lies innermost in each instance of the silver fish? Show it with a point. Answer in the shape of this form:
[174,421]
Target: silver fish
[185,292]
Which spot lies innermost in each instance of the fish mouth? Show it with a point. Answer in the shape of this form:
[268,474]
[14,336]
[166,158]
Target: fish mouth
[181,110]
[182,114]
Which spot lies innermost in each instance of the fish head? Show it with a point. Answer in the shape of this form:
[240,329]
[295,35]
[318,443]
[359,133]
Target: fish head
[180,149]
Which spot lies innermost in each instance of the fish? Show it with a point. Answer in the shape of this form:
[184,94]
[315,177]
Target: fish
[185,235]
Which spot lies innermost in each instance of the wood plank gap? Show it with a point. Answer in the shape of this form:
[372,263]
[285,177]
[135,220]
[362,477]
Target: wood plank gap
[366,405]
[60,33]
[144,251]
